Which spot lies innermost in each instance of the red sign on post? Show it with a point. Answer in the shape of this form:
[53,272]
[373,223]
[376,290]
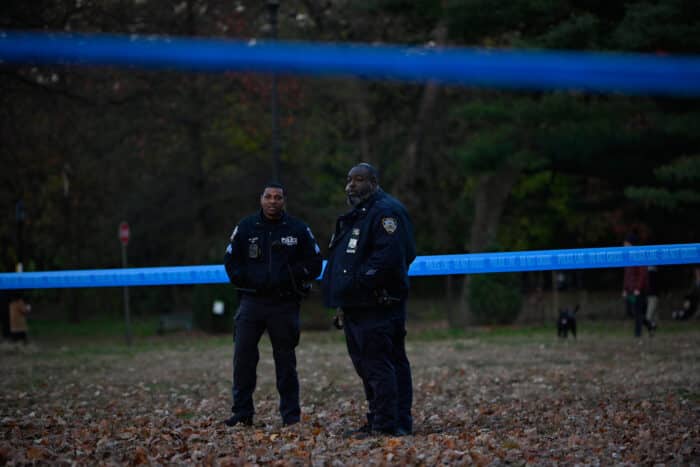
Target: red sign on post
[124,232]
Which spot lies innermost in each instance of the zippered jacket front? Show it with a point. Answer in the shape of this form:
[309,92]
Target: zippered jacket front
[369,255]
[272,258]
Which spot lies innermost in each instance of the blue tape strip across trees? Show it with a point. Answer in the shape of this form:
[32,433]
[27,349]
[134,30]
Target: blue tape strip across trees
[477,263]
[586,71]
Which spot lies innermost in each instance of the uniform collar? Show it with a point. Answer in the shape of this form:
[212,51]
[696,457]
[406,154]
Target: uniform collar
[264,220]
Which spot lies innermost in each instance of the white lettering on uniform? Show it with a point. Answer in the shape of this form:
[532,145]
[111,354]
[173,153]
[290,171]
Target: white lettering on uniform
[289,241]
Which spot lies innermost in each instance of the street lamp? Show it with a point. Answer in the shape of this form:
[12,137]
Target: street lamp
[20,215]
[272,8]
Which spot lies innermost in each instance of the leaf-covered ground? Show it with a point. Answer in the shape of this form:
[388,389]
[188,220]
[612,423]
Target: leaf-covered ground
[480,401]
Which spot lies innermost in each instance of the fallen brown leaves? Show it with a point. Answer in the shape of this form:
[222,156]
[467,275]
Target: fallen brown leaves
[524,401]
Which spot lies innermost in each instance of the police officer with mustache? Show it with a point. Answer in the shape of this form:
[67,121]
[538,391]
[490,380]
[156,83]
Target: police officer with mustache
[271,259]
[366,278]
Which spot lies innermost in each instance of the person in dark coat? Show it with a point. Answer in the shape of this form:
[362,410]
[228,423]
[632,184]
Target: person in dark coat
[271,259]
[5,313]
[652,299]
[691,299]
[19,309]
[634,289]
[366,279]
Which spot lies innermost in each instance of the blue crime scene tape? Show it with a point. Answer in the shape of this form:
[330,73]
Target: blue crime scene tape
[585,71]
[625,73]
[475,263]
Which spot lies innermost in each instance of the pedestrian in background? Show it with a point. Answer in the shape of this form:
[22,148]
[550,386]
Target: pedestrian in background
[634,289]
[691,300]
[366,278]
[5,313]
[19,309]
[271,259]
[652,299]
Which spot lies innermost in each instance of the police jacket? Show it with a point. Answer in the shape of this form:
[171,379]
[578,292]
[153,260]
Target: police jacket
[370,253]
[272,258]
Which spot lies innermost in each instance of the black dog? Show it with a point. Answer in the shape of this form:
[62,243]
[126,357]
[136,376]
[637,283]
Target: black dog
[567,322]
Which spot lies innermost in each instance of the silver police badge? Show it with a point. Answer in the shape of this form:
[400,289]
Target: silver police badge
[289,240]
[390,224]
[253,251]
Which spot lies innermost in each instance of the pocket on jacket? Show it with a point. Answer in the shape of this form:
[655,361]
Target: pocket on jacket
[345,284]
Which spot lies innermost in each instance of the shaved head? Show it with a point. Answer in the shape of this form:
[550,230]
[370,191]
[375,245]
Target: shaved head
[372,172]
[362,182]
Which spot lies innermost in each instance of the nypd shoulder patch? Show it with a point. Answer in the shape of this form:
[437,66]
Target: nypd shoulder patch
[390,224]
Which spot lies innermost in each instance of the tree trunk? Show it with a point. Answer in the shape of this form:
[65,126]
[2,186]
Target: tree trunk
[489,202]
[197,187]
[409,163]
[359,106]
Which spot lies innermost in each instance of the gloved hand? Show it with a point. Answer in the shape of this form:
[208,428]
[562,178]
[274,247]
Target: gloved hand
[338,318]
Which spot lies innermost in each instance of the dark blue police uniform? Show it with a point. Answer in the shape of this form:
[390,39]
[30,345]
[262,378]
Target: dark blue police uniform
[270,262]
[367,276]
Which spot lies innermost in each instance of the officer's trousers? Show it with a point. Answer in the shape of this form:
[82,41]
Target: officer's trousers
[281,320]
[376,343]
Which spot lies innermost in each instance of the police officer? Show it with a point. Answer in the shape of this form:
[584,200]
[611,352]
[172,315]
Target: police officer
[271,259]
[367,279]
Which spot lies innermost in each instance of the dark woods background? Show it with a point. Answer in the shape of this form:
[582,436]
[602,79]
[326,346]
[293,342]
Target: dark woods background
[182,156]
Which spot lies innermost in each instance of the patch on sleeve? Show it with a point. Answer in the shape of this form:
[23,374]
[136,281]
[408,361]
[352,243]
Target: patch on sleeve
[390,224]
[313,239]
[233,234]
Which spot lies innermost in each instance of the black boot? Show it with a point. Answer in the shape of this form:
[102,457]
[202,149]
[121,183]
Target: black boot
[363,430]
[244,420]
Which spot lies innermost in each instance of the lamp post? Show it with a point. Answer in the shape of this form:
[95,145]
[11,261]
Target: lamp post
[124,234]
[20,215]
[272,8]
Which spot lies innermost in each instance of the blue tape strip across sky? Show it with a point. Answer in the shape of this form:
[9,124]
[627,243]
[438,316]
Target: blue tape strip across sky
[596,72]
[475,263]
[584,71]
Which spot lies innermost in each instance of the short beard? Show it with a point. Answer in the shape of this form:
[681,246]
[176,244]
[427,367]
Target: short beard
[355,200]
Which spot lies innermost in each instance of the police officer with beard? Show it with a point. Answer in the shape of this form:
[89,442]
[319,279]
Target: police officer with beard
[271,259]
[366,278]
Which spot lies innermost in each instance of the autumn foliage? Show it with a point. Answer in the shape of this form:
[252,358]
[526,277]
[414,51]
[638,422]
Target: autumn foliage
[478,401]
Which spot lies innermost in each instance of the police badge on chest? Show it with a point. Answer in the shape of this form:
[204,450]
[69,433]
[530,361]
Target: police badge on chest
[254,250]
[352,243]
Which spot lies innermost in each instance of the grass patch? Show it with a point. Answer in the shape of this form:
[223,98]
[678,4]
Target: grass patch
[118,346]
[690,395]
[184,415]
[523,333]
[100,326]
[105,335]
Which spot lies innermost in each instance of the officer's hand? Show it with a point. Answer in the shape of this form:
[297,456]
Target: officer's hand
[338,319]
